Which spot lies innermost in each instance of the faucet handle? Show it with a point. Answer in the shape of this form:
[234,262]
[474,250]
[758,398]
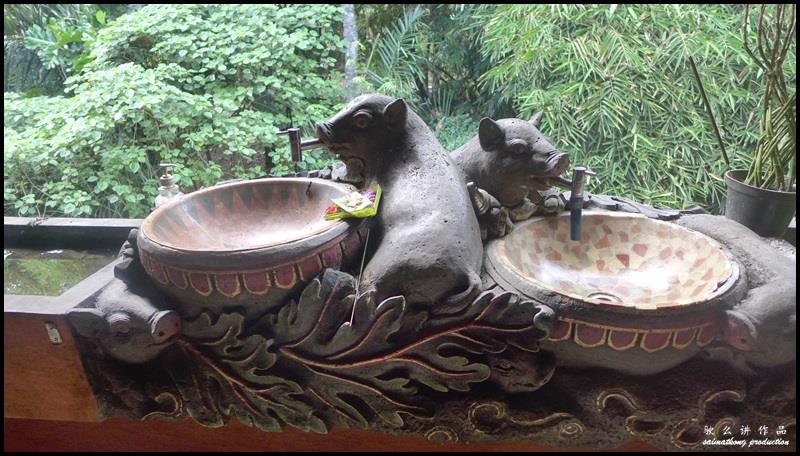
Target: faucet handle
[289,131]
[585,170]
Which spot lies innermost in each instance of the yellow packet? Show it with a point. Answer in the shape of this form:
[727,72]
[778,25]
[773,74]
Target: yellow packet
[359,204]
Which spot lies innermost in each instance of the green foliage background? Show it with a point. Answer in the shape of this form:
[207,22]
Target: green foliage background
[619,95]
[207,87]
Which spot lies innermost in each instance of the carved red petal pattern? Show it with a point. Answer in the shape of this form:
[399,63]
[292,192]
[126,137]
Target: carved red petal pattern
[589,336]
[177,277]
[560,330]
[705,335]
[256,282]
[622,340]
[285,276]
[157,271]
[332,258]
[684,337]
[227,284]
[655,341]
[200,282]
[310,267]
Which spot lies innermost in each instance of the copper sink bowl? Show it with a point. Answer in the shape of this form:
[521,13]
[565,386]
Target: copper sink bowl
[246,244]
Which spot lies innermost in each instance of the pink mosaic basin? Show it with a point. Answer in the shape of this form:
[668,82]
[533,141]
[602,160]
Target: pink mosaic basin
[623,261]
[246,245]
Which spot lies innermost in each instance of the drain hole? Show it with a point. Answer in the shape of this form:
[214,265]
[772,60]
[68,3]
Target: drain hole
[605,297]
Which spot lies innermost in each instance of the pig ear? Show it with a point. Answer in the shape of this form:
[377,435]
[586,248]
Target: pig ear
[395,114]
[490,134]
[88,322]
[536,120]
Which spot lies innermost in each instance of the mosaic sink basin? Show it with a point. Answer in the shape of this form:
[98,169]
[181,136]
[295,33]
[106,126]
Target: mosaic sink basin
[246,244]
[622,260]
[634,294]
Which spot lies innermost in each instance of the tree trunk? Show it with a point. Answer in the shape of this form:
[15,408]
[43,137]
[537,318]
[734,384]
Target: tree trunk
[350,57]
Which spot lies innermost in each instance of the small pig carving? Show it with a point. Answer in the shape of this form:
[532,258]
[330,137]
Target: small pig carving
[521,371]
[764,325]
[126,319]
[424,242]
[508,159]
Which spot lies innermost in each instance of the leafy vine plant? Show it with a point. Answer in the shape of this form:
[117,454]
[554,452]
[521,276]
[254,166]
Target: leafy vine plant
[775,161]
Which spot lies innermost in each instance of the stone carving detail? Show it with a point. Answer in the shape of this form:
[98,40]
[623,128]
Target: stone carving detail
[510,160]
[425,205]
[598,408]
[130,320]
[618,203]
[310,366]
[424,347]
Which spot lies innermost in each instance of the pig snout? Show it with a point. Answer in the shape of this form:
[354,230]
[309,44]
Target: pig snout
[737,334]
[558,162]
[165,325]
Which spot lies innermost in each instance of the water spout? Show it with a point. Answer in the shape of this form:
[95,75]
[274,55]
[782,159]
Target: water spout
[576,201]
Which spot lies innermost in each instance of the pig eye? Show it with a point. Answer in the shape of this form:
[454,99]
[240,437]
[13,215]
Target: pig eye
[362,119]
[120,324]
[121,329]
[518,147]
[504,366]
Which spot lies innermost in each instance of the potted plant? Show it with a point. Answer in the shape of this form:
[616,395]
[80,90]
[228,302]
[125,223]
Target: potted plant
[763,197]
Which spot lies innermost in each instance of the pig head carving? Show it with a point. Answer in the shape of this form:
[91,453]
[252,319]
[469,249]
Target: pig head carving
[424,242]
[763,327]
[509,158]
[126,320]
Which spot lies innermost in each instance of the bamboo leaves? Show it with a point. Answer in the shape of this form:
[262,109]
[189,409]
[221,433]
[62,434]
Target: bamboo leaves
[598,74]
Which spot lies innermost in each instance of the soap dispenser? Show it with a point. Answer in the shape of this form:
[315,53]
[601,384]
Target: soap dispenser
[168,189]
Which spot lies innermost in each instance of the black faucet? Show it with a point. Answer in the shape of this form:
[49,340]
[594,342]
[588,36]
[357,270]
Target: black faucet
[576,201]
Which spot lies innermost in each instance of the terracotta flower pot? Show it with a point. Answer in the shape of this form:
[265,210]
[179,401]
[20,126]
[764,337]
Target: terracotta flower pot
[765,211]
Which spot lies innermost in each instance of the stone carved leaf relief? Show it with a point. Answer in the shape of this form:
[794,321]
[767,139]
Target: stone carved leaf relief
[228,374]
[310,366]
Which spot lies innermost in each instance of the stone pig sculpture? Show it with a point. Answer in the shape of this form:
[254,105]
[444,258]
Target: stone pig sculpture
[764,325]
[126,319]
[760,330]
[508,159]
[126,324]
[424,242]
